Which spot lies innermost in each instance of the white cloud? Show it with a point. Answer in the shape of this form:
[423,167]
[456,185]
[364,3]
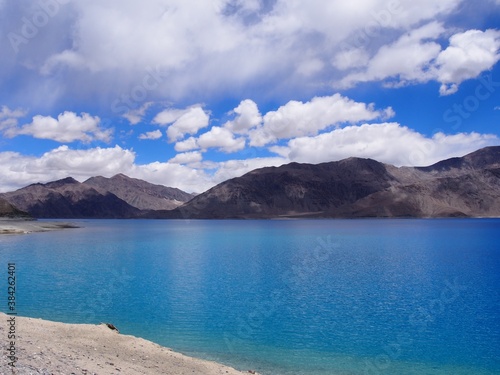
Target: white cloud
[212,47]
[6,112]
[297,119]
[20,170]
[187,121]
[68,127]
[157,134]
[10,118]
[189,144]
[417,57]
[351,58]
[135,116]
[468,55]
[235,168]
[248,116]
[222,139]
[405,60]
[387,142]
[168,116]
[66,58]
[310,67]
[187,158]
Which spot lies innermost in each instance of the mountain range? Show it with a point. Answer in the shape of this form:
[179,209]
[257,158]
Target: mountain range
[459,187]
[468,186]
[98,197]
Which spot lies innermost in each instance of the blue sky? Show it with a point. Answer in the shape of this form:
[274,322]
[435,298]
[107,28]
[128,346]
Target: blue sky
[188,94]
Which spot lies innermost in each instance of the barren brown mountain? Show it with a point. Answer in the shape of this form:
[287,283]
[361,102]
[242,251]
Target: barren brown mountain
[459,187]
[354,187]
[139,193]
[10,211]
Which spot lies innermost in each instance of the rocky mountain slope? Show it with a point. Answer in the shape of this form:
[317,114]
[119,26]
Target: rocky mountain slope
[7,210]
[459,187]
[95,198]
[69,198]
[354,187]
[139,193]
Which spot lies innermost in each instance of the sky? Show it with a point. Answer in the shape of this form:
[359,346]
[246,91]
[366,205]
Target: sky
[189,93]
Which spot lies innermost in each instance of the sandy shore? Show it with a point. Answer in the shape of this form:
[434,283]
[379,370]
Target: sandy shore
[45,347]
[13,226]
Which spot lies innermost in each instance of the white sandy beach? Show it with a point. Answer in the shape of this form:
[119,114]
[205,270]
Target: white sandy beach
[15,226]
[45,347]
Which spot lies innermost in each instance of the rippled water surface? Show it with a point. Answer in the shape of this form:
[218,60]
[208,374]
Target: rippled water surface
[280,297]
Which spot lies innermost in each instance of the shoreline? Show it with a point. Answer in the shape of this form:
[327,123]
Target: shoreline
[46,347]
[19,226]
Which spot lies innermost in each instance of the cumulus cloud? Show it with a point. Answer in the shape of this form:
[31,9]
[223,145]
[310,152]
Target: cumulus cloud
[183,122]
[297,119]
[68,127]
[468,55]
[417,57]
[405,60]
[386,142]
[214,47]
[20,170]
[187,158]
[222,139]
[248,116]
[157,134]
[187,145]
[168,116]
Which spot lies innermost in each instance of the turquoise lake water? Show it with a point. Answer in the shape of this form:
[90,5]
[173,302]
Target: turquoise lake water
[281,297]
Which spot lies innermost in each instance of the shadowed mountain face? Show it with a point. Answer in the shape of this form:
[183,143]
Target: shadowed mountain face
[69,198]
[139,193]
[95,198]
[8,210]
[467,186]
[293,189]
[459,187]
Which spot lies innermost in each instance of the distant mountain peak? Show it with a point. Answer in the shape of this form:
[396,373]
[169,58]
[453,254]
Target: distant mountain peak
[139,193]
[61,182]
[121,176]
[487,157]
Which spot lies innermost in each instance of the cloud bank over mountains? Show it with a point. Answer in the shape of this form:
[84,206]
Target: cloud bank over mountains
[98,81]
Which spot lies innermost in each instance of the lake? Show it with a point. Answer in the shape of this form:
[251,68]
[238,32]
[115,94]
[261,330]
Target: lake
[282,297]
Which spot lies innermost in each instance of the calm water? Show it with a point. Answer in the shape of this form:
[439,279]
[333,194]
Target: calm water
[281,297]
